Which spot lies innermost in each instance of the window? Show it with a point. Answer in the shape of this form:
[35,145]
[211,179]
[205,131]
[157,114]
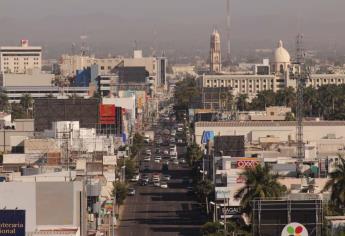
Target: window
[257,86]
[281,69]
[102,67]
[243,86]
[109,67]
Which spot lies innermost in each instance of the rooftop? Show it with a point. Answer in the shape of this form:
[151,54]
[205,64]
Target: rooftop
[266,123]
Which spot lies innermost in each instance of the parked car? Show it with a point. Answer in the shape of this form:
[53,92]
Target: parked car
[131,192]
[156,184]
[182,161]
[147,158]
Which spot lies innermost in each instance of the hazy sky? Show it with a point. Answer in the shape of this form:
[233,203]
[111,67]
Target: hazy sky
[182,25]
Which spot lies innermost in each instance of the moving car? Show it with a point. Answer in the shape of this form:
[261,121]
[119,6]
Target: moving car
[182,161]
[166,177]
[147,158]
[148,151]
[135,178]
[164,185]
[165,166]
[131,192]
[156,183]
[157,160]
[175,161]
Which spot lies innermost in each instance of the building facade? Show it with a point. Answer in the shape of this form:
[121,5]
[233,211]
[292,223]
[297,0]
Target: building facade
[20,59]
[274,76]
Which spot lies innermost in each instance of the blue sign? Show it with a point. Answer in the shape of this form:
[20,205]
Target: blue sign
[12,222]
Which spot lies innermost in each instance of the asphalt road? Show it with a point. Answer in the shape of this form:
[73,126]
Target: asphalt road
[155,211]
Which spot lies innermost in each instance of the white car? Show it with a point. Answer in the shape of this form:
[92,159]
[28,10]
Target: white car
[179,141]
[156,184]
[175,161]
[179,129]
[166,152]
[157,160]
[147,158]
[135,178]
[164,185]
[148,151]
[166,177]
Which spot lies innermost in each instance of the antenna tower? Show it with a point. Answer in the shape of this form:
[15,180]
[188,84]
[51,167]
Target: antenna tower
[301,75]
[228,30]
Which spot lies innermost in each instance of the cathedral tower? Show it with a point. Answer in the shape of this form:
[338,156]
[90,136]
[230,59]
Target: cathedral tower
[215,53]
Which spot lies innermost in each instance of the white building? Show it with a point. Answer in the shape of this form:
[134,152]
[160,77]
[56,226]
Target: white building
[19,60]
[275,78]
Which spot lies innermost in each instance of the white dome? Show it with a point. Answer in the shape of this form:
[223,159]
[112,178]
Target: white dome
[281,55]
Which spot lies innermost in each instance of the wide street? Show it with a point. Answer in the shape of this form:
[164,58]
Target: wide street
[154,211]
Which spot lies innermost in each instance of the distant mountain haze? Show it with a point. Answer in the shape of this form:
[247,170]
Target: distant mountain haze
[178,26]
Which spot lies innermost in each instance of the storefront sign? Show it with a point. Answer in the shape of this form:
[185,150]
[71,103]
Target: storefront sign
[12,223]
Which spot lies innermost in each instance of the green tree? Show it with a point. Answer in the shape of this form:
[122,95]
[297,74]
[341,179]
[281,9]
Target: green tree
[4,103]
[203,189]
[17,111]
[211,228]
[260,183]
[185,91]
[241,102]
[336,183]
[137,145]
[263,99]
[119,193]
[26,101]
[193,154]
[130,168]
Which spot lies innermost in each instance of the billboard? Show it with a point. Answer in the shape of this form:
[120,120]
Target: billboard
[107,114]
[48,110]
[280,217]
[244,163]
[12,222]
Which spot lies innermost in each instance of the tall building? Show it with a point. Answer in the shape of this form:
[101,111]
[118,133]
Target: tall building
[215,53]
[20,60]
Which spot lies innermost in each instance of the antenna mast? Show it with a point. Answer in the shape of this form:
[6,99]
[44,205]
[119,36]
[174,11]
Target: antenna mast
[301,75]
[228,30]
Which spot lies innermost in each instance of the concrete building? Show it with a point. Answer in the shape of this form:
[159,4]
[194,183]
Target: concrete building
[267,77]
[13,139]
[50,204]
[156,66]
[314,131]
[20,59]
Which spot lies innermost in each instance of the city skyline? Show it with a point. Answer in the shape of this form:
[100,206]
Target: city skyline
[177,26]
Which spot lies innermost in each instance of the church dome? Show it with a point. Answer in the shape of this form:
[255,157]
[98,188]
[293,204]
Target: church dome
[281,55]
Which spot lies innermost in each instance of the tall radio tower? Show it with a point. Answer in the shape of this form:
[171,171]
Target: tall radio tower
[228,29]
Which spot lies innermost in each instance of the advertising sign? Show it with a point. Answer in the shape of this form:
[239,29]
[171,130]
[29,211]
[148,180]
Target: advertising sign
[244,163]
[294,229]
[106,114]
[12,222]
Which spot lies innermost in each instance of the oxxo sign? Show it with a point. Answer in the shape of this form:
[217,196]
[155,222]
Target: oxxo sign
[247,163]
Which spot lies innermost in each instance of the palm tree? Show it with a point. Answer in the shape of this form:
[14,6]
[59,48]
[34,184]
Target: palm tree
[26,101]
[336,182]
[4,104]
[260,183]
[241,102]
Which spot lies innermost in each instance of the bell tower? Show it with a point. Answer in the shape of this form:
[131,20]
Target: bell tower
[215,53]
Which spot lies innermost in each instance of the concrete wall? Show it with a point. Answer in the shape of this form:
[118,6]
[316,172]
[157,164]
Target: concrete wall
[23,196]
